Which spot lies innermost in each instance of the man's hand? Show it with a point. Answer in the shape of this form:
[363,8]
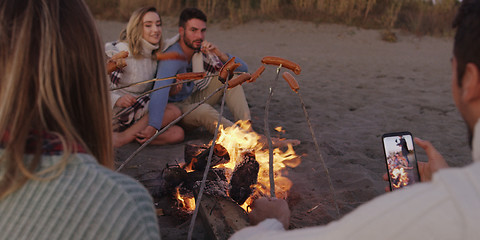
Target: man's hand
[264,208]
[174,90]
[426,169]
[210,47]
[145,134]
[126,100]
[435,160]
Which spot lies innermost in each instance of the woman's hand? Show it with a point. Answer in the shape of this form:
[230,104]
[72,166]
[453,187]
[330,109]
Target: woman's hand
[126,100]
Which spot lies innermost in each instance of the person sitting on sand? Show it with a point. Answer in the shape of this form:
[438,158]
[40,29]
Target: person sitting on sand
[56,151]
[192,28]
[445,206]
[142,38]
[403,144]
[200,56]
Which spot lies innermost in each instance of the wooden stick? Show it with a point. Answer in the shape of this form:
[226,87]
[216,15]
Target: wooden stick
[162,87]
[143,82]
[317,149]
[162,79]
[295,87]
[148,92]
[207,167]
[267,132]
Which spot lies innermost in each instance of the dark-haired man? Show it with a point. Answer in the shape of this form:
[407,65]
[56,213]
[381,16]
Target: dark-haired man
[445,206]
[402,143]
[200,56]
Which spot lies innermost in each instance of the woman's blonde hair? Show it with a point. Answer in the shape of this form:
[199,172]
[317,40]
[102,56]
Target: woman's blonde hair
[52,80]
[133,34]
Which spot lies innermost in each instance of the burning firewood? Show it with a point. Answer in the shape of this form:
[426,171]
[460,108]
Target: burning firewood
[174,176]
[243,177]
[196,156]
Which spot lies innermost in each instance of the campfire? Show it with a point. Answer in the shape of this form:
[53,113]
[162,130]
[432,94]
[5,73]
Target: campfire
[237,141]
[239,168]
[399,177]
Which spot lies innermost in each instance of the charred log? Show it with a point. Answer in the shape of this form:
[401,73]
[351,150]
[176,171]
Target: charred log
[153,182]
[174,176]
[243,177]
[196,156]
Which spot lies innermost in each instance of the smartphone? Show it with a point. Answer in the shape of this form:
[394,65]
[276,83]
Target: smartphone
[401,159]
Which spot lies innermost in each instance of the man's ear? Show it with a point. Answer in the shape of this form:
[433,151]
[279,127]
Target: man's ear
[471,83]
[181,30]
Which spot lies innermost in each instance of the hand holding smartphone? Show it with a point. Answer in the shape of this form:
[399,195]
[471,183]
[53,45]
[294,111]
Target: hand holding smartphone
[400,159]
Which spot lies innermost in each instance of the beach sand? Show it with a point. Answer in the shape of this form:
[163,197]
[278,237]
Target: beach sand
[356,87]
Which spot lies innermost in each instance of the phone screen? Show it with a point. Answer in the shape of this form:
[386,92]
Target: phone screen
[401,159]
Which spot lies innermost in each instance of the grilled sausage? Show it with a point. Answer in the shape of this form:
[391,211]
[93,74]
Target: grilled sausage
[291,81]
[238,80]
[190,75]
[284,62]
[257,74]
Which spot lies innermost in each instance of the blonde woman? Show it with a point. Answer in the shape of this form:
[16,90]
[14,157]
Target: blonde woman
[142,38]
[56,149]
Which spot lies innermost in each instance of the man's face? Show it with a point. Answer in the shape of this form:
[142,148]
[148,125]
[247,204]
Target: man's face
[194,33]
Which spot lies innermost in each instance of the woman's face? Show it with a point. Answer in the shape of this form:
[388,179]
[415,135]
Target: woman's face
[152,28]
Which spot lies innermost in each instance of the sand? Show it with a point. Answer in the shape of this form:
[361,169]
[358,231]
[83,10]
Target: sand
[356,87]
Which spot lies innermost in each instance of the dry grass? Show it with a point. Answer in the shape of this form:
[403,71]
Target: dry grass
[418,16]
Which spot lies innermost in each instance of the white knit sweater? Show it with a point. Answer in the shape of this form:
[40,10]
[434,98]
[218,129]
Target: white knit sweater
[87,201]
[137,70]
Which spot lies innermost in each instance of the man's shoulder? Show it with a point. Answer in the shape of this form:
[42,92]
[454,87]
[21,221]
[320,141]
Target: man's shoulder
[170,67]
[174,48]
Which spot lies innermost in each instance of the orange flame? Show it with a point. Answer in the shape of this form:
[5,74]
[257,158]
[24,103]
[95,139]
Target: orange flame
[187,203]
[189,167]
[237,139]
[280,129]
[400,175]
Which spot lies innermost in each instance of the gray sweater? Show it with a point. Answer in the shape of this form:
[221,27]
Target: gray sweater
[87,201]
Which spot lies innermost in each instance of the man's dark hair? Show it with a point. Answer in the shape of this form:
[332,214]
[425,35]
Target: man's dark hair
[466,47]
[191,13]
